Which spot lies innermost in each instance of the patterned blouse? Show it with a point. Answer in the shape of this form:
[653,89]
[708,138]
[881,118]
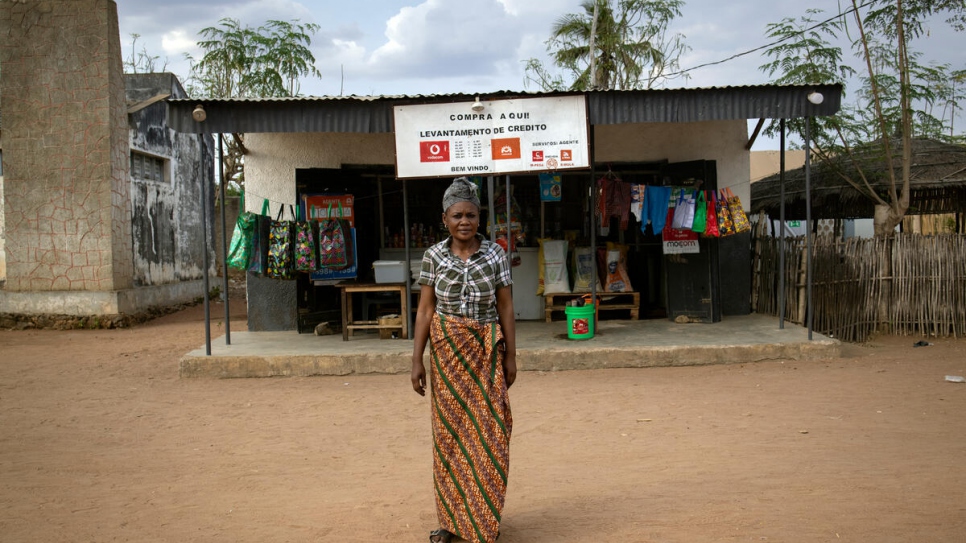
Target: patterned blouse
[466,289]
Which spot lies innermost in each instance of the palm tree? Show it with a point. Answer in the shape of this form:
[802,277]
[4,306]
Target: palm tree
[628,43]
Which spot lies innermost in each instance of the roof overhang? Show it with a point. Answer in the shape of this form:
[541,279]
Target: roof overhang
[373,114]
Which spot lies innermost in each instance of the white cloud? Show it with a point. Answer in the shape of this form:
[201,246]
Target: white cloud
[440,38]
[177,42]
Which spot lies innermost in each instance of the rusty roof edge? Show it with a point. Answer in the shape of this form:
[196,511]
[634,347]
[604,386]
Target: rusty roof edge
[373,114]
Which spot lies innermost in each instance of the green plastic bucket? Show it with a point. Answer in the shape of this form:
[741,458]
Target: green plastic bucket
[580,321]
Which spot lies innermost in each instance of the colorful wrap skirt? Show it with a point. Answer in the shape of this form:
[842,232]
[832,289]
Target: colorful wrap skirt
[471,426]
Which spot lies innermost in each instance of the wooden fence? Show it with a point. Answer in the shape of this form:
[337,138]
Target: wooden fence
[910,284]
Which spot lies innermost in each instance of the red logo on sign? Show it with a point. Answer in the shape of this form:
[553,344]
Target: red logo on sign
[565,155]
[434,151]
[505,148]
[538,156]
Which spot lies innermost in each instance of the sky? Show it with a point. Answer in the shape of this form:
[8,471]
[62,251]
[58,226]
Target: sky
[393,47]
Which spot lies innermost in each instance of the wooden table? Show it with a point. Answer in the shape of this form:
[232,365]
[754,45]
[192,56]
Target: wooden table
[349,324]
[628,300]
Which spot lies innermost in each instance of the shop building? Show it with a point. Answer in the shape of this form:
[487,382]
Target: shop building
[694,138]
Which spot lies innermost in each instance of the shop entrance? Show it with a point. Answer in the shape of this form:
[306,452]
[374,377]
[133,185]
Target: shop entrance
[669,286]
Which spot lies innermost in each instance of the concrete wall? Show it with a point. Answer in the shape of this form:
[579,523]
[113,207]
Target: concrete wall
[66,190]
[168,245]
[3,252]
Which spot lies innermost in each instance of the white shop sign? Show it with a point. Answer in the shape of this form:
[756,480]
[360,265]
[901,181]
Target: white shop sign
[505,136]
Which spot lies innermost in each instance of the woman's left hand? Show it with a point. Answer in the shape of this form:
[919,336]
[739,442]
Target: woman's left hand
[510,369]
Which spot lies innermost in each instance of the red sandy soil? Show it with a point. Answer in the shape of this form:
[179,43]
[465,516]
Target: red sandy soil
[102,441]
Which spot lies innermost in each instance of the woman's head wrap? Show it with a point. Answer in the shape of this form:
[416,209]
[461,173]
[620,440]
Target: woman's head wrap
[461,190]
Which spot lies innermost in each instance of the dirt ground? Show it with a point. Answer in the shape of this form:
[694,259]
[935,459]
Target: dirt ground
[101,441]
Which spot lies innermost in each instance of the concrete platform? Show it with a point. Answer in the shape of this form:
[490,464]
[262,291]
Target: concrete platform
[541,346]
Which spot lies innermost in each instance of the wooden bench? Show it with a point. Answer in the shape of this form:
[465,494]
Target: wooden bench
[609,301]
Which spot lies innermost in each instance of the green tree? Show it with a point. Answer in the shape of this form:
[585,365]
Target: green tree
[897,98]
[244,62]
[611,45]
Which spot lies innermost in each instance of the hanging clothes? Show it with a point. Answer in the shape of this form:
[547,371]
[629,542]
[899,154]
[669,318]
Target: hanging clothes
[637,200]
[655,208]
[615,199]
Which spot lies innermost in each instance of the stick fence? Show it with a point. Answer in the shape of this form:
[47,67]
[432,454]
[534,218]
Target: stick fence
[910,284]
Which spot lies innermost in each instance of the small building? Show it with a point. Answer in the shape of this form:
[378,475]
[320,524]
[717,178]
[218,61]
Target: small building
[102,201]
[298,147]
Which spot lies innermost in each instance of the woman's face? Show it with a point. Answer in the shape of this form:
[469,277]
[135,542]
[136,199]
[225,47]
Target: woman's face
[462,219]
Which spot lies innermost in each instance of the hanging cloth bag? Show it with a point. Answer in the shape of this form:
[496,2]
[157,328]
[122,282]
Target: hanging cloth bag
[280,248]
[711,224]
[332,241]
[738,216]
[240,249]
[305,251]
[725,226]
[259,258]
[700,213]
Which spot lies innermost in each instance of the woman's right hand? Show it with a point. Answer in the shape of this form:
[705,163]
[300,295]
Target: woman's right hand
[418,377]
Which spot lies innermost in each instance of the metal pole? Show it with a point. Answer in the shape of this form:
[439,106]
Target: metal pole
[808,225]
[204,271]
[224,240]
[406,269]
[593,228]
[781,232]
[492,206]
[509,239]
[382,213]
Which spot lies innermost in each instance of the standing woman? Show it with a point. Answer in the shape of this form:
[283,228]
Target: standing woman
[466,313]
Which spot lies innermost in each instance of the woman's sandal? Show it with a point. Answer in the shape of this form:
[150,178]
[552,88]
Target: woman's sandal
[440,536]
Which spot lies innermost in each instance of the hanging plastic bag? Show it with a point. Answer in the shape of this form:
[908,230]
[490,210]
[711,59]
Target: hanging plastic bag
[711,224]
[280,248]
[684,210]
[700,213]
[240,249]
[738,216]
[332,241]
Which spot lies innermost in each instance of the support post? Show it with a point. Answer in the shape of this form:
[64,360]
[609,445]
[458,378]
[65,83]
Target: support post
[406,255]
[781,231]
[204,272]
[224,239]
[808,230]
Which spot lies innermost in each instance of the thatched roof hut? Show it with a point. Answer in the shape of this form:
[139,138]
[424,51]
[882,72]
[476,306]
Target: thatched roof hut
[938,183]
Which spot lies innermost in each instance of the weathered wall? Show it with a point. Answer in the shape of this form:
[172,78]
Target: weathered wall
[168,245]
[3,252]
[67,195]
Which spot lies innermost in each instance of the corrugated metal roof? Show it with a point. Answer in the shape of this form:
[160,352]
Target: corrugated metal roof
[373,114]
